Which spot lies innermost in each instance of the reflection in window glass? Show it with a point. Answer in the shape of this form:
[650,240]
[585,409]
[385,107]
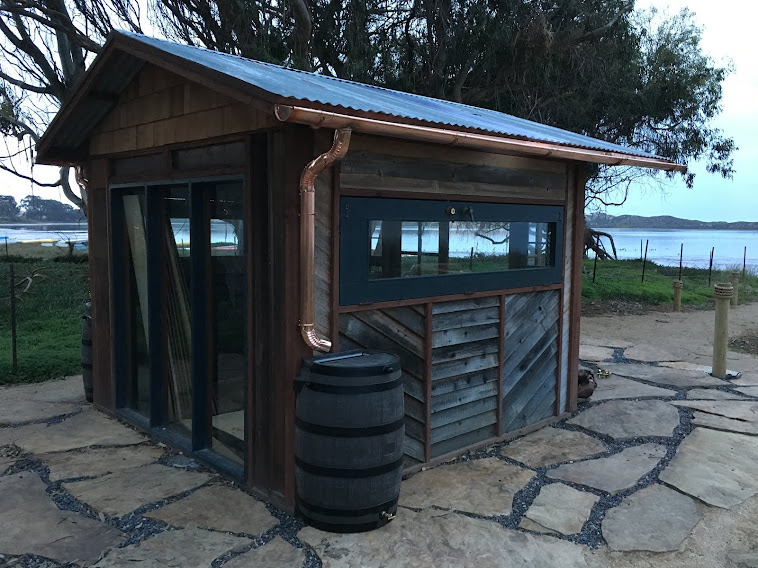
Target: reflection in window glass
[177,326]
[138,358]
[229,278]
[401,249]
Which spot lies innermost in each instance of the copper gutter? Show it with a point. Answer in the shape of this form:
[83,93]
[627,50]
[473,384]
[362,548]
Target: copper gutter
[321,118]
[308,238]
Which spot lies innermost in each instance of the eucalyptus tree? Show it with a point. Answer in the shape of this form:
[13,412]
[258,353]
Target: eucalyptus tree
[592,66]
[46,47]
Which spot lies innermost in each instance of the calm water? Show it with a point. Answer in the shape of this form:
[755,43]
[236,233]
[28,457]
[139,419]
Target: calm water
[221,231]
[663,246]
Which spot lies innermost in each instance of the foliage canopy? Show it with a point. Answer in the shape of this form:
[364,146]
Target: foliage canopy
[593,66]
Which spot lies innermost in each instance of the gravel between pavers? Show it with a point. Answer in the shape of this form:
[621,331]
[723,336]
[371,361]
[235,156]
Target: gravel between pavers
[138,528]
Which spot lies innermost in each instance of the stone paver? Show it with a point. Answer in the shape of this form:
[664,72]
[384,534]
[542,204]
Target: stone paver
[219,508]
[686,366]
[30,523]
[750,391]
[746,380]
[117,494]
[5,463]
[606,342]
[615,387]
[720,468]
[552,445]
[275,554]
[648,353]
[614,473]
[656,518]
[444,539]
[681,378]
[594,353]
[622,419]
[742,559]
[717,422]
[10,435]
[89,428]
[712,394]
[98,461]
[40,401]
[738,410]
[561,508]
[488,488]
[186,548]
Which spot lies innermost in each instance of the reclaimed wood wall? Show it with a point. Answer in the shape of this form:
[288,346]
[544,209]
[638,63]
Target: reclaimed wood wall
[465,361]
[473,368]
[531,358]
[377,166]
[160,108]
[400,331]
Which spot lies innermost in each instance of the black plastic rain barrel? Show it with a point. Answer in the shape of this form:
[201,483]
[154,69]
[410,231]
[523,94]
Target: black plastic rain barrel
[349,431]
[87,351]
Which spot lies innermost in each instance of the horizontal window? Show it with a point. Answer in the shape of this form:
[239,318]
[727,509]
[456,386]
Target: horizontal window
[394,249]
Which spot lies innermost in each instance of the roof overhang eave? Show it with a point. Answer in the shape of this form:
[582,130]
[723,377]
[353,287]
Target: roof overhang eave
[327,119]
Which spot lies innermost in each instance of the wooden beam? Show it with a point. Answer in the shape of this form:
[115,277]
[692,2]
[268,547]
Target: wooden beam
[576,186]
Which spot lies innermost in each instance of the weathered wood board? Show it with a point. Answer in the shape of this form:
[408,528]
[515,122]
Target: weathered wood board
[465,346]
[379,165]
[531,358]
[160,108]
[399,331]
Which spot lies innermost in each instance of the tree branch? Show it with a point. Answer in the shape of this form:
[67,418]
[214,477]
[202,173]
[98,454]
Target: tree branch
[28,178]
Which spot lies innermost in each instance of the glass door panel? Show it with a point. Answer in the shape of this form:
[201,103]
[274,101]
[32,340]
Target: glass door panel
[228,274]
[137,361]
[177,311]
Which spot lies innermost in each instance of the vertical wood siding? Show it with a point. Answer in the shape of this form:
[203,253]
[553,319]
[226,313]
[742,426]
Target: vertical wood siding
[323,259]
[399,331]
[531,358]
[568,247]
[160,108]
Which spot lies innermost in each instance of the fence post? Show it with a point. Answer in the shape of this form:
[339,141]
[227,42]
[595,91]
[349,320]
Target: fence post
[678,285]
[735,281]
[14,344]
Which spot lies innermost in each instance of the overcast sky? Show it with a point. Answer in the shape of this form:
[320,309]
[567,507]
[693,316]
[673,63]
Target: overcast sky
[729,34]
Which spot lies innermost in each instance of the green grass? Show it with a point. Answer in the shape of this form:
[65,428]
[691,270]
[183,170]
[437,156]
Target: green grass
[49,321]
[621,280]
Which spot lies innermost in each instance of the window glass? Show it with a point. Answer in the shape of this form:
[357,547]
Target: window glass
[397,249]
[404,249]
[137,387]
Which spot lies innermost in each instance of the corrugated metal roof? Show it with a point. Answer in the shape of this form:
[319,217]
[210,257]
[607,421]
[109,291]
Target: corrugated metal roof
[305,86]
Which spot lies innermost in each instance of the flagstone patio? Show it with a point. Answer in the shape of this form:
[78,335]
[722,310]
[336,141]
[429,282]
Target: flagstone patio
[658,468]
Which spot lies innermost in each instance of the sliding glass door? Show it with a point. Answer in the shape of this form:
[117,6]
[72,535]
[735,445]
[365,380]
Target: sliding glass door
[180,299]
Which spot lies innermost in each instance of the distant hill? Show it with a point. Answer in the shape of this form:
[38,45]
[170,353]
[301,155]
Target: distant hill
[596,220]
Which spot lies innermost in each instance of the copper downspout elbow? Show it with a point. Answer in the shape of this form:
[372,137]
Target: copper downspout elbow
[308,238]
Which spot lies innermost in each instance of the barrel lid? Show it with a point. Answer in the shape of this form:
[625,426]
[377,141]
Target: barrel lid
[354,363]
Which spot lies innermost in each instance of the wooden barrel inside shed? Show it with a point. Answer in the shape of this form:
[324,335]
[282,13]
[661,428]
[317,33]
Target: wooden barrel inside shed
[349,431]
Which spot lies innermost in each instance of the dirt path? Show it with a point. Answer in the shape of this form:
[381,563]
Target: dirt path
[687,335]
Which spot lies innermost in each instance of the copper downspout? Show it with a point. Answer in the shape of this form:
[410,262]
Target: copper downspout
[321,118]
[308,238]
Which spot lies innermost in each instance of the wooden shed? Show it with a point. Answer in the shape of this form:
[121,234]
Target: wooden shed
[243,216]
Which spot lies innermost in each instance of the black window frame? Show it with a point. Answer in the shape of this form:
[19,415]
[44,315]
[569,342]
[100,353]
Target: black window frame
[355,286]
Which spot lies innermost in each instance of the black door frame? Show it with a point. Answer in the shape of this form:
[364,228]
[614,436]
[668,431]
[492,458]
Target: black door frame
[198,443]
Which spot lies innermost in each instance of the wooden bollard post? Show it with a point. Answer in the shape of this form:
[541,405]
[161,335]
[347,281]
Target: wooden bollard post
[735,281]
[678,285]
[722,293]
